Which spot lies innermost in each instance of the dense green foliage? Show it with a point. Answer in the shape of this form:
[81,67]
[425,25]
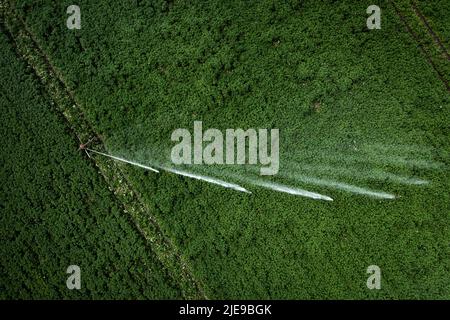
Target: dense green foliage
[436,12]
[57,211]
[343,97]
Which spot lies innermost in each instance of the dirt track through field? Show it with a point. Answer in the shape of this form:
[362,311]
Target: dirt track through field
[433,34]
[28,49]
[420,45]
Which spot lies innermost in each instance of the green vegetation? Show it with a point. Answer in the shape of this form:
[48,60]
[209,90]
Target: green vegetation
[366,104]
[57,210]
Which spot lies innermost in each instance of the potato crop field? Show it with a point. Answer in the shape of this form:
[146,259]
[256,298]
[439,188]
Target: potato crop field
[118,155]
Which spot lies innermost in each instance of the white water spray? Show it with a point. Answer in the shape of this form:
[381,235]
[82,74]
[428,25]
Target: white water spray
[294,191]
[268,185]
[352,173]
[208,179]
[182,173]
[123,160]
[345,187]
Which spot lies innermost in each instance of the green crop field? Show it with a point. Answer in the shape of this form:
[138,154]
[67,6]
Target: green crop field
[363,118]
